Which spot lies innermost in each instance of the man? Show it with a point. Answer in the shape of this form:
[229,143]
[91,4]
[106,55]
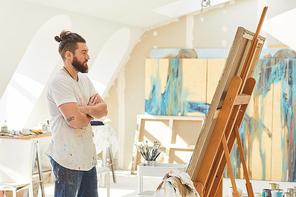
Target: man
[72,103]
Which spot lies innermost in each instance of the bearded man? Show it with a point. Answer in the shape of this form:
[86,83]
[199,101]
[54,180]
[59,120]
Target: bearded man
[72,103]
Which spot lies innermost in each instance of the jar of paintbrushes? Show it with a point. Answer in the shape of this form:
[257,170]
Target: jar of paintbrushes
[149,153]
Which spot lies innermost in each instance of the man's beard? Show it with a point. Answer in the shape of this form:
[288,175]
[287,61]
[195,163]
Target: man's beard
[80,67]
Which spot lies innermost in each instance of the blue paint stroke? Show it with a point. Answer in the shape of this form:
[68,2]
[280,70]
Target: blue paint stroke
[173,101]
[268,72]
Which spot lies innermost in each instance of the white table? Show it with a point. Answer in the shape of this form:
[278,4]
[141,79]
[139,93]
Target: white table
[158,170]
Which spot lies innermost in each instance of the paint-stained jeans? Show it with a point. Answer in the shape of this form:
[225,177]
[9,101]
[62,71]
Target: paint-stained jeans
[74,183]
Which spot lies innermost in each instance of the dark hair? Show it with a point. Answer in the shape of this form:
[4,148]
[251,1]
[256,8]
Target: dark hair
[68,42]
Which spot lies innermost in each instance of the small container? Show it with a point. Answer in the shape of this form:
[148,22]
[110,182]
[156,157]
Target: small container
[25,131]
[288,194]
[290,190]
[276,193]
[266,193]
[273,186]
[149,163]
[4,127]
[230,190]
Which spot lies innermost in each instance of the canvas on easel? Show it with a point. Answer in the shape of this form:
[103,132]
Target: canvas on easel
[220,129]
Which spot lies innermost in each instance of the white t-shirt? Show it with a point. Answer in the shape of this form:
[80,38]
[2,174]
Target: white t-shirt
[71,148]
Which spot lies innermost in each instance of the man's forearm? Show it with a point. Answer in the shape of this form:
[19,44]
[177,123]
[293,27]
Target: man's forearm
[96,111]
[73,116]
[79,121]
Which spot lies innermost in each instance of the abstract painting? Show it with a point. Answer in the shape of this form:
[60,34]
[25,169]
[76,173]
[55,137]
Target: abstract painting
[177,86]
[268,131]
[180,87]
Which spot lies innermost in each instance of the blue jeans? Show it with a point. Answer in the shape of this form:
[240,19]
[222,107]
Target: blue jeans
[74,183]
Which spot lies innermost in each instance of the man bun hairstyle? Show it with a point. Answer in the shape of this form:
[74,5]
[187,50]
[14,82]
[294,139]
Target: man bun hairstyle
[68,42]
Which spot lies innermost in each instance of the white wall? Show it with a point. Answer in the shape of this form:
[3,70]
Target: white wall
[21,24]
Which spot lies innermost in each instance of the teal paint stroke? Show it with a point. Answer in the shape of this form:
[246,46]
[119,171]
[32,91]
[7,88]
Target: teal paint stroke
[268,72]
[173,101]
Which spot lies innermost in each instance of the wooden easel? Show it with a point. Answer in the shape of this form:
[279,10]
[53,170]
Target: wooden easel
[225,116]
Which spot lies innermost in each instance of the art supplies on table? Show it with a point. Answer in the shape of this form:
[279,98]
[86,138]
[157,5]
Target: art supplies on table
[149,153]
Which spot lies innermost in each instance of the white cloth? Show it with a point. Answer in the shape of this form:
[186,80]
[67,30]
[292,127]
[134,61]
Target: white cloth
[176,184]
[104,137]
[71,148]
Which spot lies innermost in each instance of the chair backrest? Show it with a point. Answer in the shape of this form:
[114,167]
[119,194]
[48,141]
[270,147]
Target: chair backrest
[16,160]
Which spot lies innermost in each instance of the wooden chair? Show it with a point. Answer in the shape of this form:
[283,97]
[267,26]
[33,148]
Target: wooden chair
[16,165]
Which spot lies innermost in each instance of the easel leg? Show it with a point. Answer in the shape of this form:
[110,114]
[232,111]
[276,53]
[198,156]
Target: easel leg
[240,147]
[235,192]
[219,192]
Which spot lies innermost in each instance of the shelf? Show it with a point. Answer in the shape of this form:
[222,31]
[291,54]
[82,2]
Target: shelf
[177,134]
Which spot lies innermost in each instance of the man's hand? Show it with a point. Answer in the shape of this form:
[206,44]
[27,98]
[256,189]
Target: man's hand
[95,99]
[96,107]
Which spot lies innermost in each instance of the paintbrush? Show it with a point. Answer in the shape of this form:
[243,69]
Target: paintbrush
[149,153]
